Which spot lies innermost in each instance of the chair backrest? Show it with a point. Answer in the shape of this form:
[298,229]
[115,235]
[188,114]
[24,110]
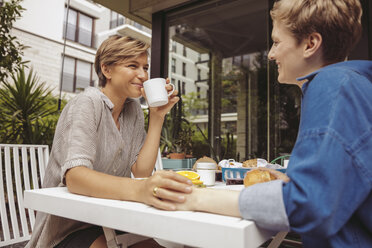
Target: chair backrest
[158,165]
[22,167]
[159,162]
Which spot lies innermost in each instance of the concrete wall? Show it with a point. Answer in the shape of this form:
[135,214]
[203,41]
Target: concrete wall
[43,18]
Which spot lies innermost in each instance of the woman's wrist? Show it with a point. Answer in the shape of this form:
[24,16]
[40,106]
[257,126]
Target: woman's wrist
[195,199]
[155,116]
[136,186]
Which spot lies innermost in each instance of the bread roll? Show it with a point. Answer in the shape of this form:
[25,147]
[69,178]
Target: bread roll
[257,176]
[205,159]
[250,163]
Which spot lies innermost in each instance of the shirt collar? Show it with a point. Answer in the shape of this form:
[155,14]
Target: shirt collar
[310,77]
[106,100]
[109,103]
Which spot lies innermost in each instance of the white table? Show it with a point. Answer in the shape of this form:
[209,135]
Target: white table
[189,228]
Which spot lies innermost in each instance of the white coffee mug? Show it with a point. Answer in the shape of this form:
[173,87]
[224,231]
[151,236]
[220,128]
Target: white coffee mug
[156,94]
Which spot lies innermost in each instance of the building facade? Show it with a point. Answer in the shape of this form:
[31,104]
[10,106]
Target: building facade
[88,24]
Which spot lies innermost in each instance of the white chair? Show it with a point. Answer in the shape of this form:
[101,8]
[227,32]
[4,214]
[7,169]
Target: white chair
[22,167]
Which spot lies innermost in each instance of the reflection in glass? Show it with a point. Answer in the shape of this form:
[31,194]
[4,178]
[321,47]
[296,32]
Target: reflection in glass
[249,114]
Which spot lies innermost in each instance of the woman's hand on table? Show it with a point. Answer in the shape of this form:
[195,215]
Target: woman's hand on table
[164,189]
[219,201]
[191,200]
[172,100]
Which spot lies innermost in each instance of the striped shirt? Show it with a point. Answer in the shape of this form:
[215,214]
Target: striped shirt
[86,135]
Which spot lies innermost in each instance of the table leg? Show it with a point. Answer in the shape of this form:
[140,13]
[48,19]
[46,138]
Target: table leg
[122,240]
[278,238]
[110,236]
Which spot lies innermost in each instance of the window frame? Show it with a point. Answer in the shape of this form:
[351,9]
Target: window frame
[74,76]
[183,88]
[76,35]
[184,69]
[116,22]
[173,65]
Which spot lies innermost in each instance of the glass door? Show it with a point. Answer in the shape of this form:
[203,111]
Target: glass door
[218,61]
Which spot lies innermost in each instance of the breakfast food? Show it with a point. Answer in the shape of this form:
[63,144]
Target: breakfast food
[198,183]
[257,176]
[189,174]
[250,163]
[205,159]
[193,176]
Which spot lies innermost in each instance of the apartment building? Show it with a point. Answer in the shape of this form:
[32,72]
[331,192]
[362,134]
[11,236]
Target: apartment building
[42,28]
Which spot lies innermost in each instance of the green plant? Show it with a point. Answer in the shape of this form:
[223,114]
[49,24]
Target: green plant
[192,102]
[177,141]
[177,132]
[200,145]
[29,110]
[229,147]
[11,50]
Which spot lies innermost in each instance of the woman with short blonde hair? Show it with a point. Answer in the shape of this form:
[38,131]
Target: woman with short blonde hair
[115,50]
[100,140]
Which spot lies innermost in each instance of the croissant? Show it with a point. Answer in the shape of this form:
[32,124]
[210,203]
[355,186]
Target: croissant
[250,163]
[257,176]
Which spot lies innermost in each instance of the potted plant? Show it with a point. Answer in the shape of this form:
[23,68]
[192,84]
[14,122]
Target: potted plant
[176,138]
[175,144]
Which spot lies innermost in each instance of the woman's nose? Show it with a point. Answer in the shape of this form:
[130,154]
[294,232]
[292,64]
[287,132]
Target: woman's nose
[270,55]
[142,74]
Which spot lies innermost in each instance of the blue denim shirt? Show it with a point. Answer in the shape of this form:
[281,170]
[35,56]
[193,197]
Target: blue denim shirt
[329,198]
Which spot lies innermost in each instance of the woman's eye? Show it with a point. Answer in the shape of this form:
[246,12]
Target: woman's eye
[146,68]
[132,66]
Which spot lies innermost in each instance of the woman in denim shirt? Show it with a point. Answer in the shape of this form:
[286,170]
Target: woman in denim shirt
[328,199]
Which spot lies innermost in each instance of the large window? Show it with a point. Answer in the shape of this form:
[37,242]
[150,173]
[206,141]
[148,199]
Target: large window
[79,27]
[173,65]
[116,19]
[250,115]
[174,46]
[77,75]
[184,69]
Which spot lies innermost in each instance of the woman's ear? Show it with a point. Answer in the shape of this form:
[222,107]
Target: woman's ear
[106,71]
[313,44]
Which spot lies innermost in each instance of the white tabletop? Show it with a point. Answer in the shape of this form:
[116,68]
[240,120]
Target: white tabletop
[185,227]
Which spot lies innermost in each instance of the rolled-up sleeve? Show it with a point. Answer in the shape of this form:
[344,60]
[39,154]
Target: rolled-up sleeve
[78,137]
[263,203]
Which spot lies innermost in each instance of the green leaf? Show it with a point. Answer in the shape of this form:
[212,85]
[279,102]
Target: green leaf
[29,110]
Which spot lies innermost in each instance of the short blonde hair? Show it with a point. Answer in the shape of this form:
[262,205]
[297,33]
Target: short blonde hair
[337,21]
[116,49]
